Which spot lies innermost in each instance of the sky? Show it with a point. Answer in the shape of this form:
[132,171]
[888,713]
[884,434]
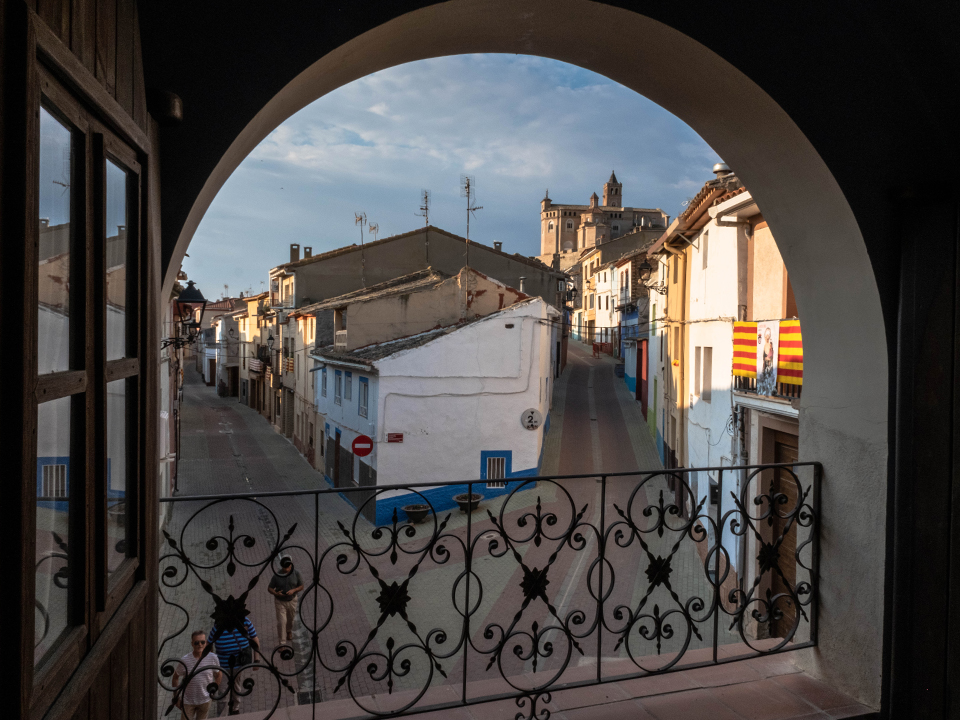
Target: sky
[518,124]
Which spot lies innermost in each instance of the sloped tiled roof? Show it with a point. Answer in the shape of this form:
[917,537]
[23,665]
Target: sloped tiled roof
[396,286]
[371,353]
[532,262]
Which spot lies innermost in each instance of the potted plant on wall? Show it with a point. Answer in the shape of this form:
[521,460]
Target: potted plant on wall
[468,502]
[417,512]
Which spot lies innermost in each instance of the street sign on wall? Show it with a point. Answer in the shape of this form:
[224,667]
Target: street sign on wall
[362,446]
[531,419]
[394,437]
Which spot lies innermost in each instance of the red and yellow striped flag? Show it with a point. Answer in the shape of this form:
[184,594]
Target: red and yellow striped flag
[789,353]
[745,349]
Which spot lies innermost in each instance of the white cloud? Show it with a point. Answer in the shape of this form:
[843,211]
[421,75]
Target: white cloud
[379,109]
[519,124]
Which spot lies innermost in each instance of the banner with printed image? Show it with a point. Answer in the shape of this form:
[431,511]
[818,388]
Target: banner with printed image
[768,340]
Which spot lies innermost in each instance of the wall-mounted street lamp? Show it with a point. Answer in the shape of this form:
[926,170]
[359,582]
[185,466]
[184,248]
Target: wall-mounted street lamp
[186,328]
[645,269]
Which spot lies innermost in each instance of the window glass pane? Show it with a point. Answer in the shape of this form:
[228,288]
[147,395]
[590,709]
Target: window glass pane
[53,525]
[118,517]
[56,173]
[116,229]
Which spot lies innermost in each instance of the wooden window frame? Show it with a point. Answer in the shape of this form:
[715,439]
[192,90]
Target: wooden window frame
[109,147]
[100,128]
[696,371]
[706,393]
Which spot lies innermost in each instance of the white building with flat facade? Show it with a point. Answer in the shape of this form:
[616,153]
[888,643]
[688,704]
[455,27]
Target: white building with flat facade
[465,402]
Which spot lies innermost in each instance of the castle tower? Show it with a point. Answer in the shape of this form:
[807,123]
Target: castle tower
[613,192]
[549,225]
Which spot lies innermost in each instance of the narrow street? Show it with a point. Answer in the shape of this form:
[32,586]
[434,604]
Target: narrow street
[596,427]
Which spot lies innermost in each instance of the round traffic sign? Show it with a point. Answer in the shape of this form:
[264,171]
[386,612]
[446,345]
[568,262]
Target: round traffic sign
[531,419]
[362,446]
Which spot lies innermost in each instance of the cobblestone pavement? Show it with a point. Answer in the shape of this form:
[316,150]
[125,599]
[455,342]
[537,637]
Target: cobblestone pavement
[596,427]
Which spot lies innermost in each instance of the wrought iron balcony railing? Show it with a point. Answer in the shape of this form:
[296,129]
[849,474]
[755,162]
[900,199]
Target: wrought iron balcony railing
[626,575]
[787,391]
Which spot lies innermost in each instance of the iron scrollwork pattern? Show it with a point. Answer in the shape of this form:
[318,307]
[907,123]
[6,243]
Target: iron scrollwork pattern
[559,583]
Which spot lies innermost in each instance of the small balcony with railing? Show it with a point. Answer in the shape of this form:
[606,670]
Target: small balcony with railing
[768,359]
[631,590]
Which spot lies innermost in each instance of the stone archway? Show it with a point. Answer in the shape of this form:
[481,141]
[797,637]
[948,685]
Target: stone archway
[844,411]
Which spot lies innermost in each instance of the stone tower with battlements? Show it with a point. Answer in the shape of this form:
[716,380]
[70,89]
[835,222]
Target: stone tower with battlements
[567,230]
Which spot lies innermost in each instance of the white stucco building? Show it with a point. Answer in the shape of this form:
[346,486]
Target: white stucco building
[447,404]
[722,271]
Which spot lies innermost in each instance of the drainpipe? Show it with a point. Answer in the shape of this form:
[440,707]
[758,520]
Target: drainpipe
[682,388]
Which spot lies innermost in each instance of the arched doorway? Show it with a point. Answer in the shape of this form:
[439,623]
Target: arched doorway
[787,176]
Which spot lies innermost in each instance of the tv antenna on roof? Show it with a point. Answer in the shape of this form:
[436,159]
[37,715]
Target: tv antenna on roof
[360,218]
[373,229]
[424,207]
[468,190]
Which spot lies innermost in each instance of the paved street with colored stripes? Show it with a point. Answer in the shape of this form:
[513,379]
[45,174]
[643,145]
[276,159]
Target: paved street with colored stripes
[596,427]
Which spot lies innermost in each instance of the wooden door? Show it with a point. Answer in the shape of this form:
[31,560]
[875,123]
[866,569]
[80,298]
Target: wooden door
[785,451]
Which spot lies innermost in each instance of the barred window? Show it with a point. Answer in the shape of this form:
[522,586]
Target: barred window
[496,472]
[54,482]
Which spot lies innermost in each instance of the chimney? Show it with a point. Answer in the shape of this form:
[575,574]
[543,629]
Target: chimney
[497,245]
[44,222]
[522,278]
[721,169]
[294,252]
[307,252]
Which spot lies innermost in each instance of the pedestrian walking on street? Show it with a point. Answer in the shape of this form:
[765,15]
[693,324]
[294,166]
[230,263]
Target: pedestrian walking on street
[285,586]
[235,649]
[193,698]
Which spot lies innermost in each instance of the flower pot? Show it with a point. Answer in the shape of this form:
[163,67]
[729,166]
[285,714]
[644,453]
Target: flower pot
[468,502]
[118,513]
[416,513]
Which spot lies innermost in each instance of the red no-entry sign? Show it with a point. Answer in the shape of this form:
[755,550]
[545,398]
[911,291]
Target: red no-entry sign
[362,446]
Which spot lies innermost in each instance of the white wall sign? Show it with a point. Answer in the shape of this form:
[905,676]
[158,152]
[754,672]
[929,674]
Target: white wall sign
[531,419]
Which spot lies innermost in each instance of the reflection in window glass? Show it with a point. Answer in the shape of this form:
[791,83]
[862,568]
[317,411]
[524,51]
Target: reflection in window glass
[118,514]
[53,516]
[56,166]
[116,229]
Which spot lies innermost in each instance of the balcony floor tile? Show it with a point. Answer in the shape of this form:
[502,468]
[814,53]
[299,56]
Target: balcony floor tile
[816,692]
[625,710]
[762,700]
[688,705]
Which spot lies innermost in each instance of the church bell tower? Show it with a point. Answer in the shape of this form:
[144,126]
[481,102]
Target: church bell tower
[613,192]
